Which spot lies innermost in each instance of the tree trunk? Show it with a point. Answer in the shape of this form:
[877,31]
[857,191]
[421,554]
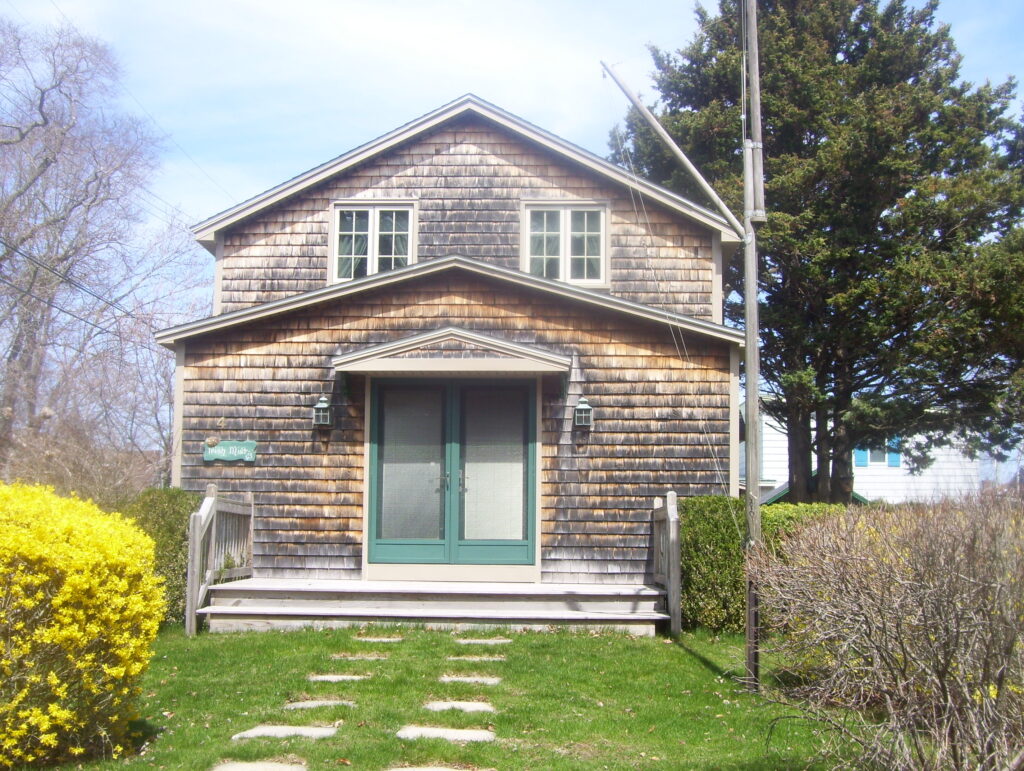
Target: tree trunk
[798,434]
[823,450]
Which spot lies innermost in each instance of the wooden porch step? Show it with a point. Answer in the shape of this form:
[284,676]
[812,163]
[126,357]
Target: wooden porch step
[238,617]
[624,599]
[267,603]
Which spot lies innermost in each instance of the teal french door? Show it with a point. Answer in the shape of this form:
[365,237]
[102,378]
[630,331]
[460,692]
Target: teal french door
[452,472]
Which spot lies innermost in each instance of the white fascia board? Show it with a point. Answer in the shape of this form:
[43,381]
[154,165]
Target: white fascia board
[206,230]
[381,357]
[168,337]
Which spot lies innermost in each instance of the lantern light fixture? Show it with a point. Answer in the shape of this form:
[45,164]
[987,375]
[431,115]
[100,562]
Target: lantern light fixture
[323,413]
[583,415]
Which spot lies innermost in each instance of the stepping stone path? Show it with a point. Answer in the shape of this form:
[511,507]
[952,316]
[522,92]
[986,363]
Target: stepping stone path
[409,732]
[285,731]
[462,706]
[314,703]
[359,656]
[451,734]
[337,678]
[476,658]
[474,679]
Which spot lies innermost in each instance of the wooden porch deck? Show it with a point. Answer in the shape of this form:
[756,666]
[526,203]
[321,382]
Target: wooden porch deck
[267,603]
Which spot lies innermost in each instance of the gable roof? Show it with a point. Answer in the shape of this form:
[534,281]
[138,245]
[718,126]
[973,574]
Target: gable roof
[493,353]
[597,300]
[469,104]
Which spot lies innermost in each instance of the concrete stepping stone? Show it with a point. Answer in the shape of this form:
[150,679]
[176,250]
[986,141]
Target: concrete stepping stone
[482,641]
[359,656]
[379,639]
[285,731]
[476,658]
[474,679]
[337,678]
[314,703]
[449,734]
[462,706]
[260,765]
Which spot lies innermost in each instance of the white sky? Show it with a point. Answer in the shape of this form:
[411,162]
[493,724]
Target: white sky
[249,93]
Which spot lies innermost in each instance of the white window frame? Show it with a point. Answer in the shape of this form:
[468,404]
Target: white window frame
[566,208]
[374,206]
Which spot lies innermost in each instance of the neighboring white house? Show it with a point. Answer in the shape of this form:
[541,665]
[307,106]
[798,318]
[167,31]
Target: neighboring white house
[877,474]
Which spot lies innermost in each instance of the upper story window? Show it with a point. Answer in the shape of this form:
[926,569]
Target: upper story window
[566,243]
[371,238]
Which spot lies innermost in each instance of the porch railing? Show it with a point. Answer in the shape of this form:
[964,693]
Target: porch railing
[667,568]
[219,548]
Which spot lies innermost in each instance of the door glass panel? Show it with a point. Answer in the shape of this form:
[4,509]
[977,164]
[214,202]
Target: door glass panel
[493,464]
[412,463]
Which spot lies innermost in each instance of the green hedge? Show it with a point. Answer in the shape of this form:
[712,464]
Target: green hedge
[163,512]
[711,533]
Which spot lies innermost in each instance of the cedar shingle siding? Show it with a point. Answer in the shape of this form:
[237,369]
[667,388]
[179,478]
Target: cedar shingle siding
[662,422]
[470,181]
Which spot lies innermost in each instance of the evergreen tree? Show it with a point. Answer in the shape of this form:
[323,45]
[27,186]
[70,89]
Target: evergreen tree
[892,275]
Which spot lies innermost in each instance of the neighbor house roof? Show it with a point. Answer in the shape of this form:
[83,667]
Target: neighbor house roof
[168,337]
[471,105]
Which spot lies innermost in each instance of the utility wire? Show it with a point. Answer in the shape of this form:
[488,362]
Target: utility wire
[55,306]
[155,122]
[65,277]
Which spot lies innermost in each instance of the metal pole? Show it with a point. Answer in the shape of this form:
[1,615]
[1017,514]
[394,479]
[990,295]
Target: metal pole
[679,154]
[753,210]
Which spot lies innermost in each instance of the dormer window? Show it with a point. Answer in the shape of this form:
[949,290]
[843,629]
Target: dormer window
[565,243]
[371,238]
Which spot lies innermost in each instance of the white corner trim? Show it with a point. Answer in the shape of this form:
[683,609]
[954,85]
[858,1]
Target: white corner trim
[717,291]
[734,421]
[178,421]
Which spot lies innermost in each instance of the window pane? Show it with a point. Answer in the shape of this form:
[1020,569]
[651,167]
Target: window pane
[401,245]
[344,267]
[387,221]
[576,269]
[593,246]
[545,267]
[411,463]
[385,245]
[359,245]
[344,244]
[494,464]
[594,268]
[536,246]
[359,265]
[877,456]
[401,221]
[578,221]
[576,246]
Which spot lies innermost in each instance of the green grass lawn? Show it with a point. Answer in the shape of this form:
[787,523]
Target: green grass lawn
[566,700]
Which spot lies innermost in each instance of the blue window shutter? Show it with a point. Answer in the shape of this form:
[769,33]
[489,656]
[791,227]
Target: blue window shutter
[892,457]
[860,457]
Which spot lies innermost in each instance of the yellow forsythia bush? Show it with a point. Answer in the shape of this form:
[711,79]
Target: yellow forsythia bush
[79,609]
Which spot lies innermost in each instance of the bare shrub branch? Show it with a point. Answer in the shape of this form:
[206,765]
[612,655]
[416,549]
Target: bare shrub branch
[902,629]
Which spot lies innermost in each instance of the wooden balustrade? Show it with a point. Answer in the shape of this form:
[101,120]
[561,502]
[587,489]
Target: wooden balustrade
[667,567]
[219,548]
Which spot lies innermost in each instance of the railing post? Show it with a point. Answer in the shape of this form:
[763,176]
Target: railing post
[193,580]
[252,530]
[674,567]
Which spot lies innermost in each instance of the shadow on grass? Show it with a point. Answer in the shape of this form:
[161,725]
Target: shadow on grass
[711,666]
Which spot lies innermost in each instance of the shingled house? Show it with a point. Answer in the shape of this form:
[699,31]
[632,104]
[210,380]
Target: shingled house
[515,347]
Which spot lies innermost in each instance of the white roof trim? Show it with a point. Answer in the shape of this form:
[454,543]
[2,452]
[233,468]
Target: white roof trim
[381,358]
[206,230]
[168,337]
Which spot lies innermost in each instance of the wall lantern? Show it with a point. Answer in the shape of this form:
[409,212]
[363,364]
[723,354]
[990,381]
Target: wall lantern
[583,414]
[323,413]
